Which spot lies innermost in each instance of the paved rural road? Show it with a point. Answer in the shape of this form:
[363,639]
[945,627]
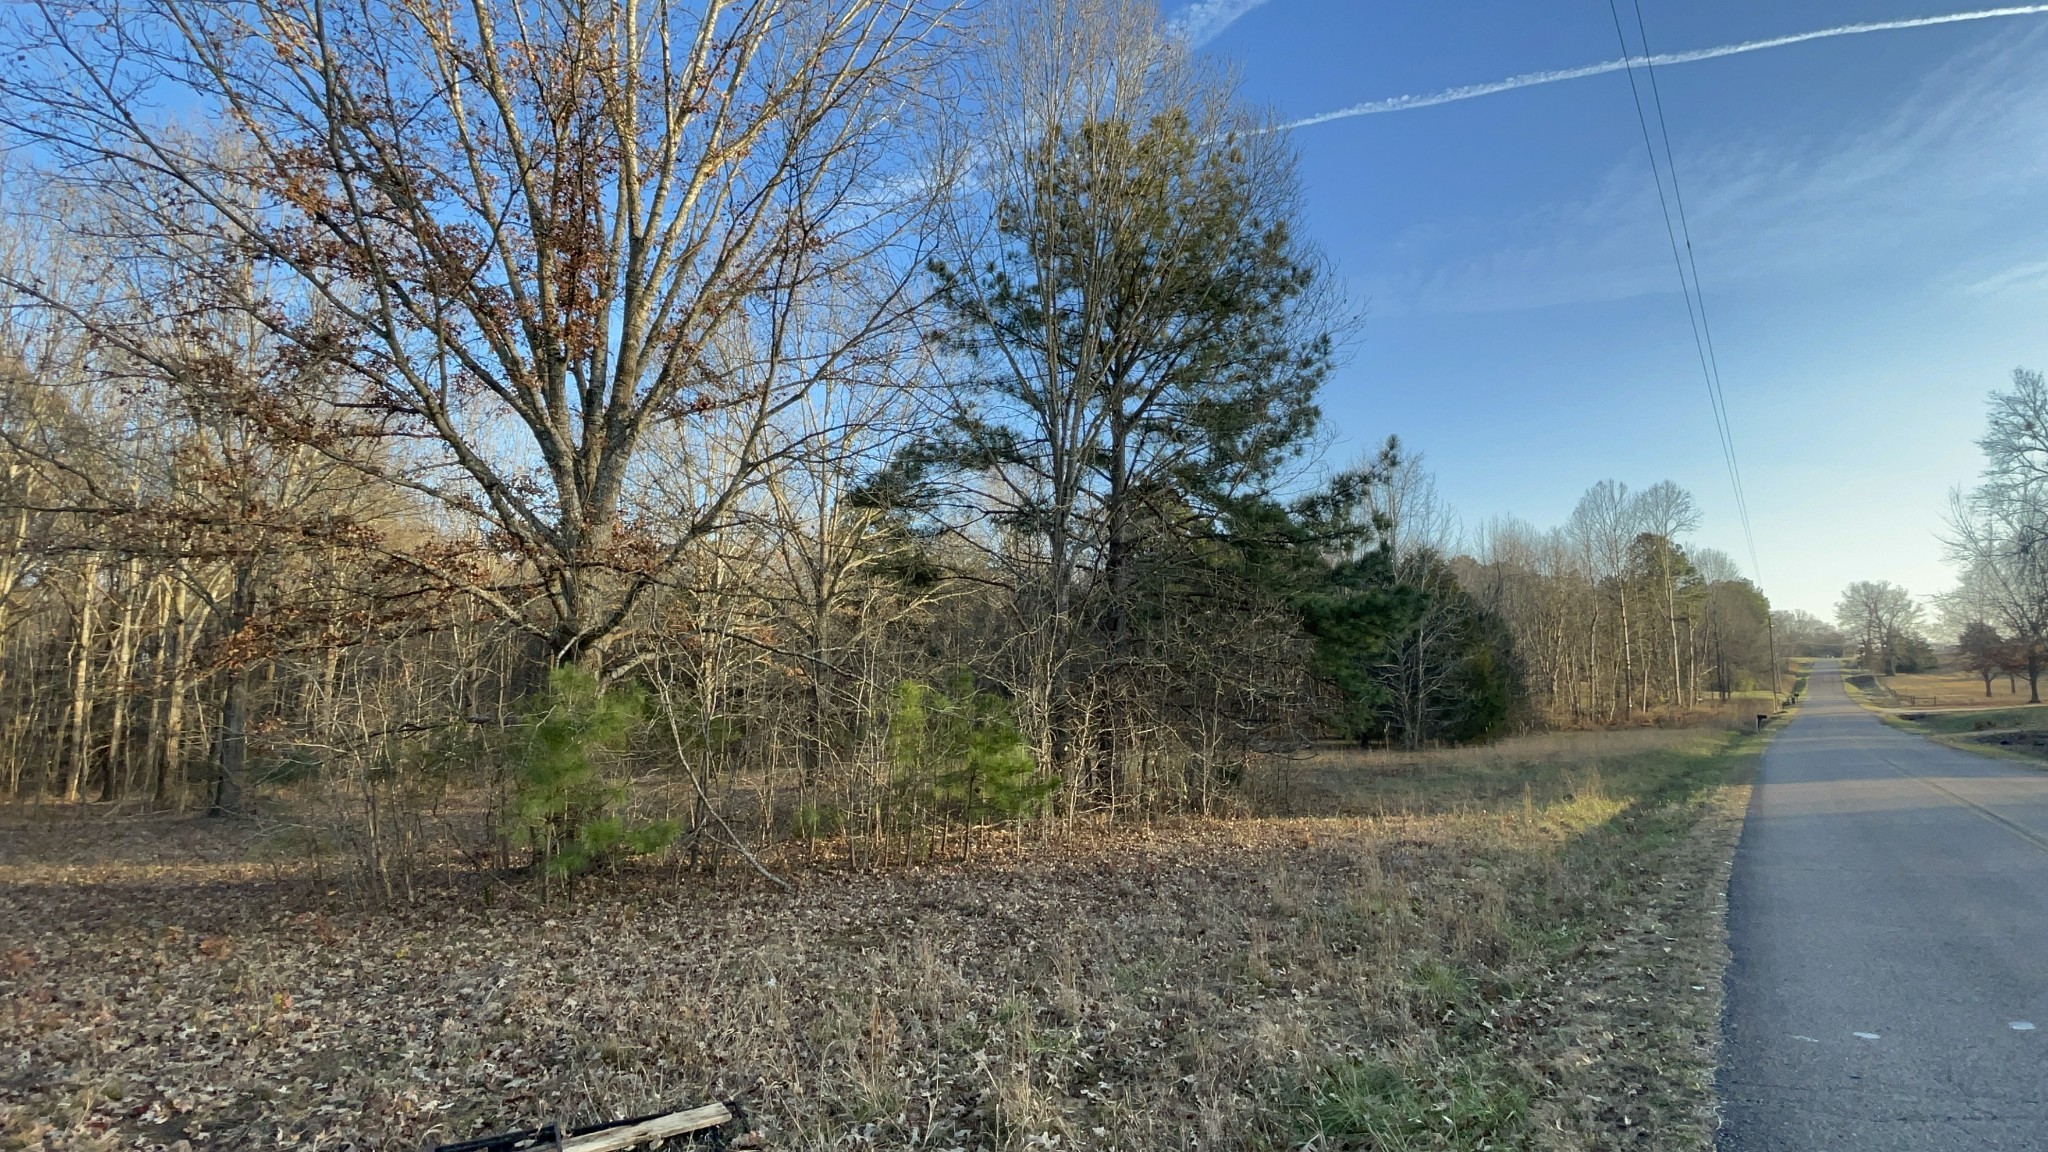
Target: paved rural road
[1889,918]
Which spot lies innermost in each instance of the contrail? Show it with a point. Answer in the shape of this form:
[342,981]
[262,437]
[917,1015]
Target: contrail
[1531,79]
[1204,20]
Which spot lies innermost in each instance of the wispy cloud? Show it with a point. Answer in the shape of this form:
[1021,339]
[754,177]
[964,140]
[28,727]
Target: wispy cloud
[1953,165]
[1532,79]
[1205,20]
[2031,276]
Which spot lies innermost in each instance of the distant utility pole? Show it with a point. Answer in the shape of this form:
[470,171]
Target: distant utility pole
[1771,632]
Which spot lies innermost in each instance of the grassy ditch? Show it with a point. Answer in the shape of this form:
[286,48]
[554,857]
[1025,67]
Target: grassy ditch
[2026,718]
[1509,947]
[2019,733]
[1614,873]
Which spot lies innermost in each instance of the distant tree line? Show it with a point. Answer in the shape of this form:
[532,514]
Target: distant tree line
[1882,626]
[1801,633]
[1608,619]
[1614,618]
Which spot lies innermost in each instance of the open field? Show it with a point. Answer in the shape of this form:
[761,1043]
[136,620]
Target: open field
[1952,688]
[1508,947]
[2013,731]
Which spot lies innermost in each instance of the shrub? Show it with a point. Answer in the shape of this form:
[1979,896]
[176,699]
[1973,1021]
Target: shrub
[958,754]
[565,804]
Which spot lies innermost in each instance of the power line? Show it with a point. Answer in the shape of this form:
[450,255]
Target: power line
[1685,282]
[1689,282]
[1699,294]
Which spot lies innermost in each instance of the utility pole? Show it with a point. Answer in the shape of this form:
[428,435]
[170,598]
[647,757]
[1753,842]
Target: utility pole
[1771,631]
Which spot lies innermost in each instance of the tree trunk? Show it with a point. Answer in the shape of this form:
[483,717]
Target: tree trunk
[1592,658]
[81,685]
[167,742]
[1671,620]
[120,774]
[231,747]
[1627,662]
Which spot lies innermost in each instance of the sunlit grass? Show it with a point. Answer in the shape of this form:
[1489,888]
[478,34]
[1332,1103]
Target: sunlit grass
[2026,717]
[1581,777]
[1458,1103]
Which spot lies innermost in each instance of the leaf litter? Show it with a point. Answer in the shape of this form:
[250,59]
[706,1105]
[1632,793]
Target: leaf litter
[1181,986]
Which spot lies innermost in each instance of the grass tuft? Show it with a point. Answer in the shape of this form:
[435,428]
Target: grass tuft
[1462,1105]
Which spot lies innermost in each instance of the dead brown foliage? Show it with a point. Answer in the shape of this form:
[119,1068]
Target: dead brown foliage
[1179,987]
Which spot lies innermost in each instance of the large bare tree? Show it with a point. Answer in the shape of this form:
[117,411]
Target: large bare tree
[1881,613]
[514,237]
[1998,531]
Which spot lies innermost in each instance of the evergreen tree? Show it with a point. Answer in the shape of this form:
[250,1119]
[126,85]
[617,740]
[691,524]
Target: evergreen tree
[567,804]
[1142,342]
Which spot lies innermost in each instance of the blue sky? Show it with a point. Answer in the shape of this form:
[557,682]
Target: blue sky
[1869,214]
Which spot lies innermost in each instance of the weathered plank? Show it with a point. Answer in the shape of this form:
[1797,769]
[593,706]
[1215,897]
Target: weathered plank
[657,1128]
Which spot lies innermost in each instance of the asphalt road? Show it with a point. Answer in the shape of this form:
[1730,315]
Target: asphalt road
[1889,921]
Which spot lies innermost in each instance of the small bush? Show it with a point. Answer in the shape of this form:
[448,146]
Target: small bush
[291,764]
[565,805]
[958,754]
[811,821]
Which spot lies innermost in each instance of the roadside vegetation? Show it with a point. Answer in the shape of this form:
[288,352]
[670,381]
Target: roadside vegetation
[1509,947]
[2016,733]
[1980,720]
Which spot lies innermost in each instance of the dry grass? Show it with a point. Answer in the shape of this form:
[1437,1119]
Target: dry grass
[2012,733]
[1513,947]
[1954,688]
[1341,779]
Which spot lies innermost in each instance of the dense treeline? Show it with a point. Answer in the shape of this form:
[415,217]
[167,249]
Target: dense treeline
[560,431]
[1608,619]
[1614,618]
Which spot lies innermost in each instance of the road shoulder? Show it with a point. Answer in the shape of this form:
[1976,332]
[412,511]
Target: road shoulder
[1656,1002]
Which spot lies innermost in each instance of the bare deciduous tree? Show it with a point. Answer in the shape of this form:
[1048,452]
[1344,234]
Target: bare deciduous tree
[1881,613]
[516,237]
